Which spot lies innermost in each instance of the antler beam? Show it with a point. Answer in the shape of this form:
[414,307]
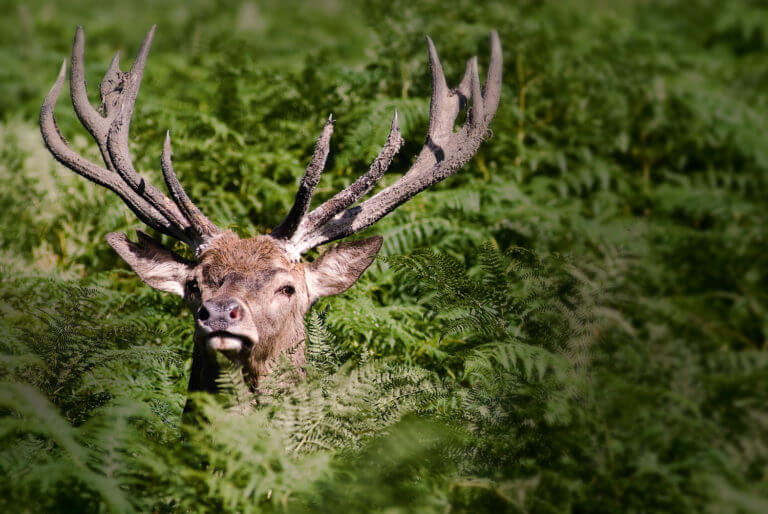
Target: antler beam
[443,154]
[179,218]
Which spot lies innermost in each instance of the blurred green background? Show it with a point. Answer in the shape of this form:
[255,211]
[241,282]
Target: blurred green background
[575,322]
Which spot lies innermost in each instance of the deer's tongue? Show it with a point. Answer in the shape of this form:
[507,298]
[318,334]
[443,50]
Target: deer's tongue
[223,343]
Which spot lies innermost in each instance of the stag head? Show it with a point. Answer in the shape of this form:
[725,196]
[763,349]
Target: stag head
[249,296]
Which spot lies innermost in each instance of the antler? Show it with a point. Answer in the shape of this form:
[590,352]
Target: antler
[444,153]
[179,218]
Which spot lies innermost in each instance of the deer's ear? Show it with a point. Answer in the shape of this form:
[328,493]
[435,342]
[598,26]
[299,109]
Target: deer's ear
[156,265]
[338,268]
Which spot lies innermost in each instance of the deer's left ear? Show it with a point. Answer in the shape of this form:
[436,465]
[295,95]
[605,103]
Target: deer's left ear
[338,268]
[156,265]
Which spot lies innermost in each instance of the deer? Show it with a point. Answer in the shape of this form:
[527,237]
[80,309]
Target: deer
[249,296]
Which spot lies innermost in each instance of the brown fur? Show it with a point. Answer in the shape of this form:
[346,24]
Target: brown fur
[255,272]
[230,254]
[251,270]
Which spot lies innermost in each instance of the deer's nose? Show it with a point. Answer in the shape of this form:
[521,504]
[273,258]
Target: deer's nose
[220,314]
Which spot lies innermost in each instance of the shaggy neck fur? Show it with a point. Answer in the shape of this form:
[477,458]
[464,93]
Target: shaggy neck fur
[290,341]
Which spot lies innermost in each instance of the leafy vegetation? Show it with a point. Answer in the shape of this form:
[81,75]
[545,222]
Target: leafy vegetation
[575,322]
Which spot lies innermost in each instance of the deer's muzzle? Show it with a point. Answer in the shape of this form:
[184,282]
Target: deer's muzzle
[220,315]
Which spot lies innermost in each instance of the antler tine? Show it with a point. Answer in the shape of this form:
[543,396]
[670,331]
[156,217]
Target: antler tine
[202,226]
[492,86]
[444,152]
[92,120]
[117,140]
[110,88]
[441,117]
[477,112]
[290,224]
[88,116]
[57,145]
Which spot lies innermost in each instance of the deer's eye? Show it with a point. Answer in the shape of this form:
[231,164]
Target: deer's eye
[193,287]
[287,290]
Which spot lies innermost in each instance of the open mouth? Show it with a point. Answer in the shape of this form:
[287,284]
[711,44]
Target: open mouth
[228,342]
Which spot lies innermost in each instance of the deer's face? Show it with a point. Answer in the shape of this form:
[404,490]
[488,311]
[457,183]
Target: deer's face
[248,298]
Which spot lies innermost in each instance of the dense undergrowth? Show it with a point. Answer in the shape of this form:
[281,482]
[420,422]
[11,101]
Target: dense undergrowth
[575,322]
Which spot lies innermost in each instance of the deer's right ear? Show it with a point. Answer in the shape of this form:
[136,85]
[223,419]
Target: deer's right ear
[156,265]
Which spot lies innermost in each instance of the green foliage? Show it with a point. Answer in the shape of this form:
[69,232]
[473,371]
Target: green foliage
[574,322]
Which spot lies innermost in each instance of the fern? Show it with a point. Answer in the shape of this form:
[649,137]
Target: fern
[585,333]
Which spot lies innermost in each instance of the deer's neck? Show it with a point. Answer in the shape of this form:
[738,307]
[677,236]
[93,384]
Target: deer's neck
[261,362]
[266,356]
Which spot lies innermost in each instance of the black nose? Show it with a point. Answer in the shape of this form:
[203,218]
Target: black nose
[220,314]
